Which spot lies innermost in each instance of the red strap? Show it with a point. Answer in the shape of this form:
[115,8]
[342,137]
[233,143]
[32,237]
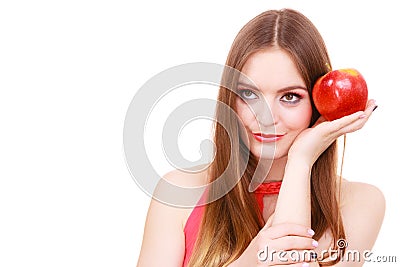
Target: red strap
[263,189]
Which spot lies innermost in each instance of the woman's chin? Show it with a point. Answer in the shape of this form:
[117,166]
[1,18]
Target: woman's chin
[271,153]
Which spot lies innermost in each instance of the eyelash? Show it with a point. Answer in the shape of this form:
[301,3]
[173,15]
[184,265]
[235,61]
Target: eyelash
[298,96]
[242,91]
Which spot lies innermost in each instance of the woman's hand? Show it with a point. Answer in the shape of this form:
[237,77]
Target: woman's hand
[312,142]
[282,244]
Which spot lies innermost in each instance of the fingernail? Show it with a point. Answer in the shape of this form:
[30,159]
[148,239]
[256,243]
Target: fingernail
[310,232]
[305,264]
[315,243]
[375,108]
[362,116]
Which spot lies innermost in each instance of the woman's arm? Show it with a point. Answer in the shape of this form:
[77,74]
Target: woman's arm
[163,239]
[294,204]
[294,201]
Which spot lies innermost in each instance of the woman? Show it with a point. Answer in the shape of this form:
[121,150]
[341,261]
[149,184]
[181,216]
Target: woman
[305,206]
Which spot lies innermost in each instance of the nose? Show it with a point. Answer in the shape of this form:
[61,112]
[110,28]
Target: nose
[264,113]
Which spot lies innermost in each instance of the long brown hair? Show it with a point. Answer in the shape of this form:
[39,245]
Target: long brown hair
[231,222]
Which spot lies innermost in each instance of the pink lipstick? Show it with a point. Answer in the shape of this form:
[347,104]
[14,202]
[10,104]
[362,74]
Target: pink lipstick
[267,138]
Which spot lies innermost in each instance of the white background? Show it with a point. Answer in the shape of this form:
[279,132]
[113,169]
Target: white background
[68,71]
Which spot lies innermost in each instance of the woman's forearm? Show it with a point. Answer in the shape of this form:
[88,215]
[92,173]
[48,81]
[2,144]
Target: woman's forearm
[294,200]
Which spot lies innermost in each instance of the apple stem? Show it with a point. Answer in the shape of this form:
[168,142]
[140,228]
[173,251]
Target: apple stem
[328,66]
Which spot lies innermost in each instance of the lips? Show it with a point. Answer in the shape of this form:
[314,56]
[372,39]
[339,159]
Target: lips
[267,138]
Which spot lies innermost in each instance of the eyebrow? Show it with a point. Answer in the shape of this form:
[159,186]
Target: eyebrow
[284,89]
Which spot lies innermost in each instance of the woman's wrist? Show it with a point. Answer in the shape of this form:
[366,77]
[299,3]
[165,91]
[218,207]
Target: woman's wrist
[298,165]
[299,158]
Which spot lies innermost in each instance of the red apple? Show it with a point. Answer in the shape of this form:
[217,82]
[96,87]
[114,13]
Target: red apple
[339,93]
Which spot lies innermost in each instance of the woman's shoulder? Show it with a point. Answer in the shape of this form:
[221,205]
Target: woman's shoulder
[359,193]
[164,228]
[194,177]
[363,210]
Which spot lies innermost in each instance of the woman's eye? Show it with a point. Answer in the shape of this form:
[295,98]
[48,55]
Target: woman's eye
[291,98]
[247,94]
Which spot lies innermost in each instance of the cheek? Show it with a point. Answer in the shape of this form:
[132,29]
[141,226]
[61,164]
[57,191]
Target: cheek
[246,119]
[244,112]
[299,118]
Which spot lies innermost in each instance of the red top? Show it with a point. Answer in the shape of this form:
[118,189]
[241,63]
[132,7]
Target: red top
[191,229]
[270,188]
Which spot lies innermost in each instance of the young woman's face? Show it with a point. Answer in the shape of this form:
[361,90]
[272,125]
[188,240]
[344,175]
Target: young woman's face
[275,112]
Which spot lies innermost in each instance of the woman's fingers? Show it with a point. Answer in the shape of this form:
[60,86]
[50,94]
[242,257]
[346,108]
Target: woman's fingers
[285,244]
[285,229]
[360,119]
[352,122]
[341,125]
[293,242]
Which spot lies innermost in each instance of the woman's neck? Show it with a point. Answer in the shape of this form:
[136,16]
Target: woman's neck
[276,169]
